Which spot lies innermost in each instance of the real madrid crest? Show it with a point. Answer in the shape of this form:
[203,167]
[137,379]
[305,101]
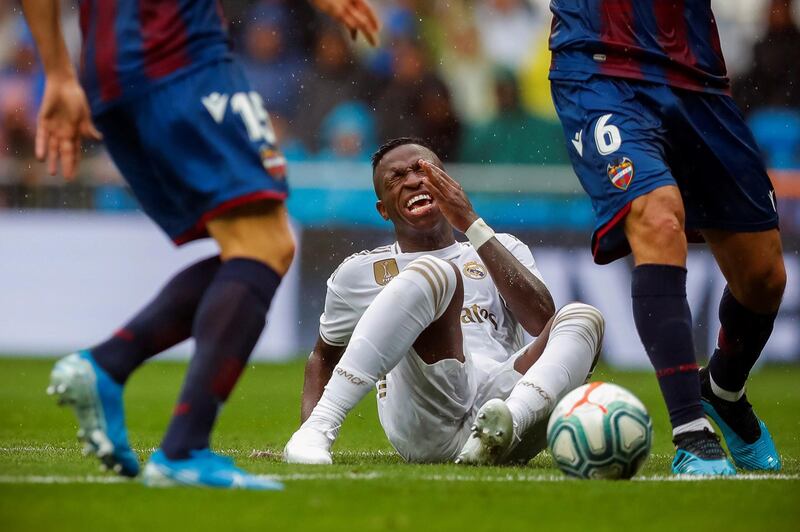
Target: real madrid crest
[385,271]
[474,270]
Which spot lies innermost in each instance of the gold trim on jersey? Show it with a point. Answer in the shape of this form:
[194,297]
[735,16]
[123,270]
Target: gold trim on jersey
[427,275]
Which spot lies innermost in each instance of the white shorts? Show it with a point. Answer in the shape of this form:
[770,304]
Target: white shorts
[427,410]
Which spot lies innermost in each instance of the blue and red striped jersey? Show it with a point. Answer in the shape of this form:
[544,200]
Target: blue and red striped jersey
[662,41]
[129,45]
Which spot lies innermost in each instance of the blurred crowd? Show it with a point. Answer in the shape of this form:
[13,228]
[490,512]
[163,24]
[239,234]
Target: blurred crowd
[468,75]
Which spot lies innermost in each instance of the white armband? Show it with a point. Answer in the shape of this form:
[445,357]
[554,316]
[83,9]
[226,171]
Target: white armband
[479,233]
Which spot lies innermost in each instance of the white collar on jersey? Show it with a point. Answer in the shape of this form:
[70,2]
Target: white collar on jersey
[450,252]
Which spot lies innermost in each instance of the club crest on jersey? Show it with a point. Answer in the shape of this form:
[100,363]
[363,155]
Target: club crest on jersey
[621,174]
[274,163]
[474,270]
[385,271]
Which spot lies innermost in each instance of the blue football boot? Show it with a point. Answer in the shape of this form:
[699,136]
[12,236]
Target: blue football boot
[699,453]
[747,437]
[79,382]
[203,468]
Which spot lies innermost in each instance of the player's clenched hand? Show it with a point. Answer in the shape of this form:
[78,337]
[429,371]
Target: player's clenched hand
[357,15]
[449,196]
[64,119]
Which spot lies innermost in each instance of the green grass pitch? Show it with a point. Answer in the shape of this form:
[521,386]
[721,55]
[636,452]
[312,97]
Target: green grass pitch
[45,483]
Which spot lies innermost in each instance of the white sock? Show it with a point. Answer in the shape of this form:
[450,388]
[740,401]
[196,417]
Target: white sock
[700,423]
[575,339]
[413,300]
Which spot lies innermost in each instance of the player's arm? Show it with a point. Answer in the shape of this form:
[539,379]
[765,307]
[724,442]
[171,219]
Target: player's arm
[319,369]
[64,116]
[357,15]
[525,295]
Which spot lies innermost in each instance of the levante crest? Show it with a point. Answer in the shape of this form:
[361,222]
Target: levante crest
[621,174]
[274,163]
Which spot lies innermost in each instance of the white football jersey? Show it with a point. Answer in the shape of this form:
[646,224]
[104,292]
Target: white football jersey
[488,327]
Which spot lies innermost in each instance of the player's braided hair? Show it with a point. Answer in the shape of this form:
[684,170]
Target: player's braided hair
[394,143]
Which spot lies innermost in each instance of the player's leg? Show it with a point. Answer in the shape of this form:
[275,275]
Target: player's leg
[163,323]
[619,156]
[417,312]
[753,266]
[216,172]
[730,199]
[557,362]
[256,250]
[91,380]
[655,229]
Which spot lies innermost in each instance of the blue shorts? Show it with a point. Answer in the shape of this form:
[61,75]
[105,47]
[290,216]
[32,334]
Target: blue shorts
[626,138]
[194,147]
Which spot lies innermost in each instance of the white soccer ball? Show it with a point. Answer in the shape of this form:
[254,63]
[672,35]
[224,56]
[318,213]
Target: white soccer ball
[600,430]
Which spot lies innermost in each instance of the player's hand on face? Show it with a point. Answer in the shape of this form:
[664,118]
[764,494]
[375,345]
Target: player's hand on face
[357,15]
[449,196]
[64,119]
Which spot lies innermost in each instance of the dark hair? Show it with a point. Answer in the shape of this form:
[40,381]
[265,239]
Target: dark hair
[394,143]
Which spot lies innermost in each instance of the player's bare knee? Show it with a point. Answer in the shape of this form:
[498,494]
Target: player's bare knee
[656,222]
[655,227]
[283,253]
[761,287]
[258,231]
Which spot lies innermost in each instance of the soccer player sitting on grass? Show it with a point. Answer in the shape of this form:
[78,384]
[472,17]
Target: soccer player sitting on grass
[438,326]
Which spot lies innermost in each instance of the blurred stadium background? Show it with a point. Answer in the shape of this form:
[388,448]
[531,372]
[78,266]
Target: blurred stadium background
[77,258]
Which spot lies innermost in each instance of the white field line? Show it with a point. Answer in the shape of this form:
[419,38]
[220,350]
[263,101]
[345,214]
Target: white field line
[22,449]
[277,453]
[299,477]
[365,476]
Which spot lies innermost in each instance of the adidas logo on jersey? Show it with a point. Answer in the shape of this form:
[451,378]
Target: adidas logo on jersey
[476,314]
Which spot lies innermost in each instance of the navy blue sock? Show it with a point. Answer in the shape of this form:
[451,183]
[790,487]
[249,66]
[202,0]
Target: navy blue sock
[742,336]
[664,322]
[163,323]
[227,326]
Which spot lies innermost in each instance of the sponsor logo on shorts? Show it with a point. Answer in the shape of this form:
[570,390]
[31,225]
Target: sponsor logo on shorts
[476,314]
[621,173]
[352,379]
[216,104]
[274,163]
[474,270]
[385,271]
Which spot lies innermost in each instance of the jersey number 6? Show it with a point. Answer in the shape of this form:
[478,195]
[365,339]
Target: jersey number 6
[606,136]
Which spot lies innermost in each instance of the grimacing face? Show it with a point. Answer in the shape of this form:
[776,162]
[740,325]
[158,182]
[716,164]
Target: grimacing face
[402,194]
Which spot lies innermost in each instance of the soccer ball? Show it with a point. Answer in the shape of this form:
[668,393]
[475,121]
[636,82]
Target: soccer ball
[600,430]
